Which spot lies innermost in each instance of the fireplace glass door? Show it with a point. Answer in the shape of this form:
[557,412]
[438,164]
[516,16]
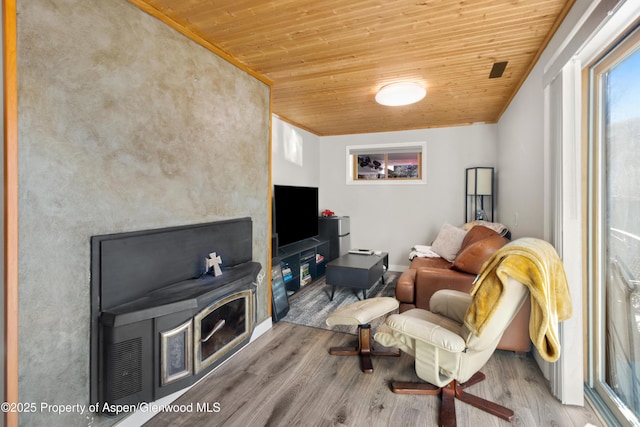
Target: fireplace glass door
[220,327]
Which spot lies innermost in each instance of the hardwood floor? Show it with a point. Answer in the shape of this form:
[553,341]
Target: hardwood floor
[287,378]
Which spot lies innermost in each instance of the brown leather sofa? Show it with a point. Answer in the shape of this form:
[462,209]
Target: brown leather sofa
[425,276]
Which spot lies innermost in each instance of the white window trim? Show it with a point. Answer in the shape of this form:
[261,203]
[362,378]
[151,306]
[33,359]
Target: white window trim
[388,148]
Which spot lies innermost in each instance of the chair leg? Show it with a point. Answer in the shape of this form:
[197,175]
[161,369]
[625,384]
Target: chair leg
[400,387]
[480,403]
[448,406]
[364,349]
[475,379]
[450,392]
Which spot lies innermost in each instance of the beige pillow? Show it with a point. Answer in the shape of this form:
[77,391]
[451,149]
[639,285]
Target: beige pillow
[448,241]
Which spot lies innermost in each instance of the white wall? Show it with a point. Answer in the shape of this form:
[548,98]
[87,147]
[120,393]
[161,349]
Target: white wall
[394,217]
[388,217]
[520,161]
[295,155]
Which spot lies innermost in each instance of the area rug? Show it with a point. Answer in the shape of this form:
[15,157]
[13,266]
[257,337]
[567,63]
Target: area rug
[311,305]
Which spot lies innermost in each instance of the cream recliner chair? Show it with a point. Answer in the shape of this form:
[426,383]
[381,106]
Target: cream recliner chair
[447,354]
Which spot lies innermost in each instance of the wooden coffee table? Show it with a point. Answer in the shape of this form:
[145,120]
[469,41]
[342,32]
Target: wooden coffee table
[355,271]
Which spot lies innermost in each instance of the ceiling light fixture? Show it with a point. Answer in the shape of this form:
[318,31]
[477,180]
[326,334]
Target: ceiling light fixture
[397,94]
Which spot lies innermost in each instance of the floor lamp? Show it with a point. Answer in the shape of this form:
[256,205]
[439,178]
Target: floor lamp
[479,193]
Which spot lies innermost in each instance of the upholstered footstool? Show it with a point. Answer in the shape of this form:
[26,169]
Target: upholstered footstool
[361,313]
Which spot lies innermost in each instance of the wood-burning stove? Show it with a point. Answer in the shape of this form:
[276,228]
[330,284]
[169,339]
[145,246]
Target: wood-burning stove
[159,322]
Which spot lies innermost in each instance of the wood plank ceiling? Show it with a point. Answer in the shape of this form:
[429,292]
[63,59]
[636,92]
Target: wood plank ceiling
[326,59]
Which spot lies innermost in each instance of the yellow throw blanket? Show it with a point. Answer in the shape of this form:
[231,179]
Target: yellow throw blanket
[536,264]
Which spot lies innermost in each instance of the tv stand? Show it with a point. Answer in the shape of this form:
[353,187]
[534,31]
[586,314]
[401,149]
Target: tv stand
[303,262]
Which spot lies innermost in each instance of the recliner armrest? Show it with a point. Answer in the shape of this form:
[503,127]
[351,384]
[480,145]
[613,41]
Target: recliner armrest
[427,332]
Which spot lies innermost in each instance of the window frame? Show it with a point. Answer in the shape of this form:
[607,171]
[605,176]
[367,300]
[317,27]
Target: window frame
[352,152]
[596,232]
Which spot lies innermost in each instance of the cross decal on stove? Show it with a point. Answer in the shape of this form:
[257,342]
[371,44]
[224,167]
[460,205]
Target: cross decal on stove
[214,261]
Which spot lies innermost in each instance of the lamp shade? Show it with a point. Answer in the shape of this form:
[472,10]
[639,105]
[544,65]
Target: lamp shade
[397,94]
[480,181]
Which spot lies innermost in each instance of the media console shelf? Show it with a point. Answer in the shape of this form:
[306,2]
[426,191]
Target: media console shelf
[303,262]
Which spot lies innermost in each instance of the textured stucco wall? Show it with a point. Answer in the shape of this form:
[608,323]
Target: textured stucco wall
[124,124]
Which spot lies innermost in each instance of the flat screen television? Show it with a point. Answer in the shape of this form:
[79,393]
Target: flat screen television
[295,212]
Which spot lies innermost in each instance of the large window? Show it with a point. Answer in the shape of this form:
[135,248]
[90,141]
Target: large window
[614,230]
